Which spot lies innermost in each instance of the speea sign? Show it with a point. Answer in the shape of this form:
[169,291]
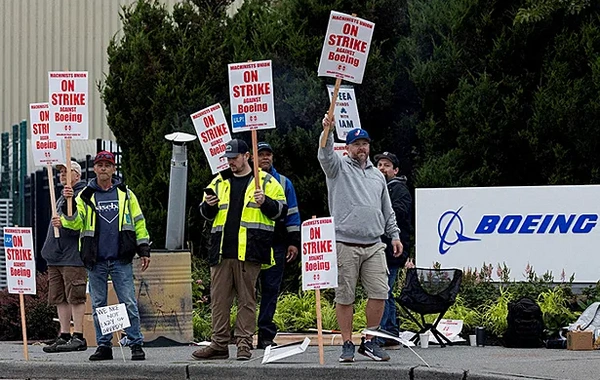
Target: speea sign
[552,228]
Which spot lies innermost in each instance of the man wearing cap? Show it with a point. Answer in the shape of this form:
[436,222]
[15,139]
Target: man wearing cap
[388,164]
[113,230]
[360,204]
[243,221]
[286,243]
[66,274]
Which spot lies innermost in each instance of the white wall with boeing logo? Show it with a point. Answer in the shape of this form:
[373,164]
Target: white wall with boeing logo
[549,227]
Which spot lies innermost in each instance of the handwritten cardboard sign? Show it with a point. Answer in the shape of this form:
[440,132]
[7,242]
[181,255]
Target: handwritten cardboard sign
[112,318]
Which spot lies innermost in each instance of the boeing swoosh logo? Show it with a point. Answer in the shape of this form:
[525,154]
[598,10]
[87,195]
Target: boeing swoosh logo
[450,230]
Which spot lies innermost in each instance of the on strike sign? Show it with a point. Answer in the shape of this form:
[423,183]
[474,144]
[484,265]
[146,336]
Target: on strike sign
[20,260]
[346,47]
[319,260]
[251,96]
[213,132]
[68,104]
[345,112]
[45,151]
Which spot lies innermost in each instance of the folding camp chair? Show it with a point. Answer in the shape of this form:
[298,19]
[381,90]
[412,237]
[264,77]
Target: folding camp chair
[429,291]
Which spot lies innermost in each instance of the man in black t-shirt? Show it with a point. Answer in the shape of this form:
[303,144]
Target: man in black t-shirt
[243,220]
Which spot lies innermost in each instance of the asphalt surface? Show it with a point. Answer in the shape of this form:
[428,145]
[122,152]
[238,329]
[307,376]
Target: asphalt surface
[456,362]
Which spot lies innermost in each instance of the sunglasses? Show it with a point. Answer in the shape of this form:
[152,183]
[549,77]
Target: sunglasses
[105,156]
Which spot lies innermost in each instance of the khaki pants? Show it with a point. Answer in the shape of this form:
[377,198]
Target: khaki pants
[229,278]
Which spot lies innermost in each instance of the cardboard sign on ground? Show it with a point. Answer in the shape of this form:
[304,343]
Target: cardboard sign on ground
[274,353]
[346,112]
[346,47]
[319,260]
[112,318]
[68,100]
[213,132]
[20,260]
[46,151]
[251,96]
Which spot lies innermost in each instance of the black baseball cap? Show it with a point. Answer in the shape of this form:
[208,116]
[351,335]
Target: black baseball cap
[235,147]
[388,156]
[264,146]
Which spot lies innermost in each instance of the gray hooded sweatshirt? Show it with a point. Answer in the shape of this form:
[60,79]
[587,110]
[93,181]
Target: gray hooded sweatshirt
[358,199]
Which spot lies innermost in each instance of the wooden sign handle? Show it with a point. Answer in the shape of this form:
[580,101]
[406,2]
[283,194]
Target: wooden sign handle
[23,326]
[68,200]
[336,90]
[319,322]
[255,160]
[52,196]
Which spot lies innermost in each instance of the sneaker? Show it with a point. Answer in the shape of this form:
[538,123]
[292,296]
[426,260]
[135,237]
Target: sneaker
[372,350]
[347,352]
[243,353]
[137,353]
[102,353]
[74,344]
[53,347]
[209,353]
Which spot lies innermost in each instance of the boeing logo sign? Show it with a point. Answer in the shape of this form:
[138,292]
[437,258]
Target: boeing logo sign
[451,228]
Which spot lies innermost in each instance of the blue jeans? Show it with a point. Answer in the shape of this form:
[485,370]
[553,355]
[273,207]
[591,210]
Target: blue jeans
[270,282]
[122,279]
[389,321]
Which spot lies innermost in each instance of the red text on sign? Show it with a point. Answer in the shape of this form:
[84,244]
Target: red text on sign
[213,133]
[254,89]
[18,254]
[41,128]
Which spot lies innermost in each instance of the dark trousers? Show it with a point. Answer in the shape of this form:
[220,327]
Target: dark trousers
[270,283]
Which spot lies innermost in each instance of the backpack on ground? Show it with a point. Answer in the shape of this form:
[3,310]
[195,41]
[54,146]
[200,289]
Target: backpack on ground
[525,324]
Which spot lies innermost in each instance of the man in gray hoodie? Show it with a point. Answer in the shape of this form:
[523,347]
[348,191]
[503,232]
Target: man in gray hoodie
[66,274]
[360,205]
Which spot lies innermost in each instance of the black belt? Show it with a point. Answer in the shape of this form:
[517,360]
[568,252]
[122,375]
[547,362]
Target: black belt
[358,245]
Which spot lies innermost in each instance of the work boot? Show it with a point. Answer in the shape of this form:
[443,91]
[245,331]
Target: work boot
[74,344]
[53,347]
[137,353]
[209,353]
[102,353]
[243,353]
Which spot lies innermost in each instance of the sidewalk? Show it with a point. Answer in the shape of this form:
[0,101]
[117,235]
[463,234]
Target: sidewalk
[458,362]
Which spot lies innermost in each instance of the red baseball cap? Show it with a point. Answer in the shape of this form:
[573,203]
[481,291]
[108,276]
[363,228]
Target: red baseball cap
[104,156]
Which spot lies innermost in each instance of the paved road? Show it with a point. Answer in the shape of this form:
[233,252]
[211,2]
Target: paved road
[458,362]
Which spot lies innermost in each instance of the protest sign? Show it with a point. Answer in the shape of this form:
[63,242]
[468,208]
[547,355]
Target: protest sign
[319,260]
[20,260]
[251,96]
[345,113]
[46,151]
[340,149]
[213,132]
[68,100]
[112,318]
[346,47]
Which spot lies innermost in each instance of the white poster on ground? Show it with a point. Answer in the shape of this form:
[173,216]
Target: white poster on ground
[319,260]
[68,100]
[346,47]
[345,112]
[251,96]
[213,132]
[45,150]
[20,260]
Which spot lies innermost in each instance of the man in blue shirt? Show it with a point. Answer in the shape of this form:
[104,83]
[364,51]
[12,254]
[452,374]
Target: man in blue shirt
[286,243]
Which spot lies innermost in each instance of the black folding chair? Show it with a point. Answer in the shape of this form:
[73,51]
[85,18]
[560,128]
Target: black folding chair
[429,291]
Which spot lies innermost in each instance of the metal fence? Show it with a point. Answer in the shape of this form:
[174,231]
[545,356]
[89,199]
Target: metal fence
[5,220]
